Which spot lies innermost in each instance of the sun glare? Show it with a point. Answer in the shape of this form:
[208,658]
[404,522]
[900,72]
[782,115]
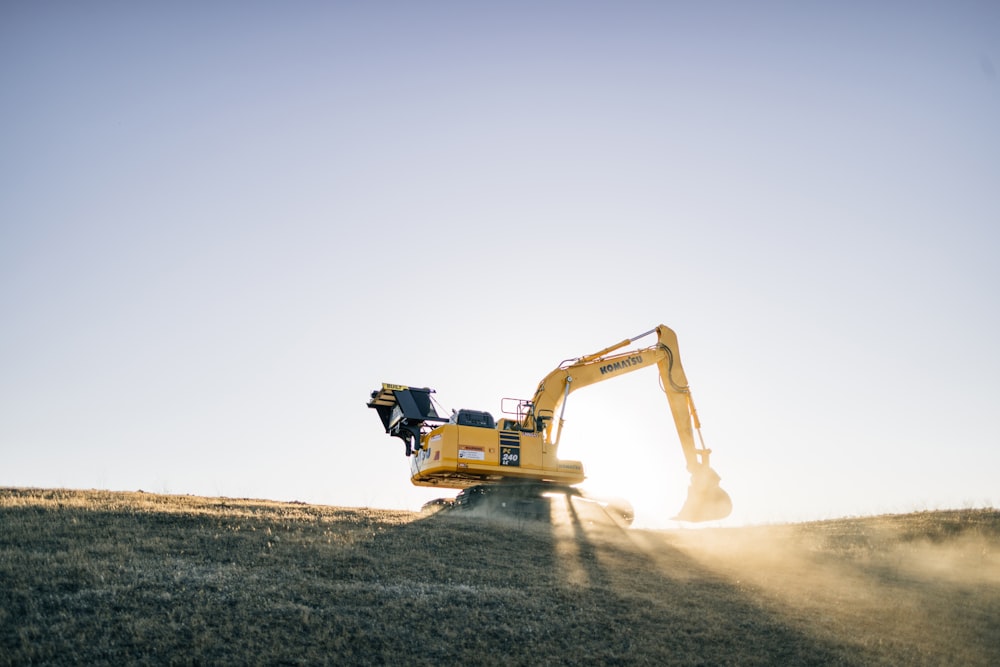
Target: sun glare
[623,434]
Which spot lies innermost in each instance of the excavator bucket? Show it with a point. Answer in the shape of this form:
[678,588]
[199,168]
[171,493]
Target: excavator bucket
[706,500]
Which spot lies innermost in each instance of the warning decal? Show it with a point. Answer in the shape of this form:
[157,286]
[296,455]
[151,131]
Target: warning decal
[472,453]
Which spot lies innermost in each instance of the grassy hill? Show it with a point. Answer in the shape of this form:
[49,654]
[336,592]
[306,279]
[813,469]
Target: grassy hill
[100,577]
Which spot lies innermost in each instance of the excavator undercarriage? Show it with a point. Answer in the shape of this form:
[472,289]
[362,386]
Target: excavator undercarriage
[534,501]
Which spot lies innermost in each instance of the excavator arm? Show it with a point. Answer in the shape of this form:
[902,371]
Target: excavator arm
[706,500]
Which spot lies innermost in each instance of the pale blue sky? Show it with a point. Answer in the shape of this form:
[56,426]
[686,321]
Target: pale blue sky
[222,224]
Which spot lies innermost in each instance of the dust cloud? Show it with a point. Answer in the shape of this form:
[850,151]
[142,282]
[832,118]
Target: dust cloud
[929,582]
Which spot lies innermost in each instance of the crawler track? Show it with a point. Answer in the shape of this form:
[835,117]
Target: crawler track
[529,501]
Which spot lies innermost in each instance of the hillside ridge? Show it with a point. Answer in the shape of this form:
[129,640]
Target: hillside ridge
[104,577]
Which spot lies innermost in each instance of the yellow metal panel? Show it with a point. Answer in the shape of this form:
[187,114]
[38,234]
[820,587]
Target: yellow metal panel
[531,450]
[455,456]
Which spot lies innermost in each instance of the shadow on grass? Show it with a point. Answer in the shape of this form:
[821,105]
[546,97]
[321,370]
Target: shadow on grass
[580,590]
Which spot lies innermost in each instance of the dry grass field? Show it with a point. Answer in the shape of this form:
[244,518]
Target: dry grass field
[125,578]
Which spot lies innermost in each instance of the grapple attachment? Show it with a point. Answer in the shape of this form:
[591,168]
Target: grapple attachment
[706,501]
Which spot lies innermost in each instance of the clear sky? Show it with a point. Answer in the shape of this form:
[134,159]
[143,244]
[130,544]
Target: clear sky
[222,224]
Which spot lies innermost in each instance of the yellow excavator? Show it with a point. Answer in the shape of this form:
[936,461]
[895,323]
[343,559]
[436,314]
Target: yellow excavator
[513,460]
